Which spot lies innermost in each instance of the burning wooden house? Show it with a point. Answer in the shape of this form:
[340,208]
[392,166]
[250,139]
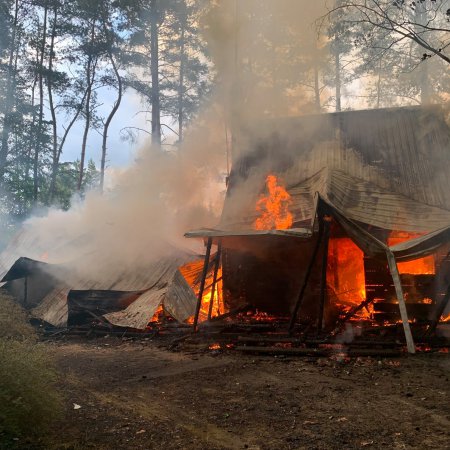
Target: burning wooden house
[335,217]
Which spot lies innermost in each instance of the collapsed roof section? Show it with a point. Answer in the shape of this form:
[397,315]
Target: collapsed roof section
[131,296]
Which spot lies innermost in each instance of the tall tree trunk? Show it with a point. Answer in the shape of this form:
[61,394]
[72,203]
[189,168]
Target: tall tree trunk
[10,87]
[55,160]
[181,78]
[154,68]
[317,88]
[424,79]
[379,86]
[337,62]
[90,76]
[114,109]
[39,139]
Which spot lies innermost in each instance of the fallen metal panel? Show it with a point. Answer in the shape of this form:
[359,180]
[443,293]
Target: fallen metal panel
[53,308]
[180,299]
[140,312]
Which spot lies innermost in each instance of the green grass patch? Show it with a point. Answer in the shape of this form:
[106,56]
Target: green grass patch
[29,401]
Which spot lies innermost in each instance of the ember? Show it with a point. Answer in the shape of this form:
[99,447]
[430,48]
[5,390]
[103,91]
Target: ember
[274,208]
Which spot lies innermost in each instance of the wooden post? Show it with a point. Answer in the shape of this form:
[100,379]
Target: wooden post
[202,283]
[214,283]
[306,279]
[401,301]
[323,284]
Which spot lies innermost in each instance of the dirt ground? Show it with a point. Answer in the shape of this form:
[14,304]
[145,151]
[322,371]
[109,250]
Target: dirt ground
[138,395]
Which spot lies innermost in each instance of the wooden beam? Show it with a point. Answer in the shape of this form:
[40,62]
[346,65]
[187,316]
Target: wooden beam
[214,283]
[202,283]
[401,301]
[323,283]
[299,301]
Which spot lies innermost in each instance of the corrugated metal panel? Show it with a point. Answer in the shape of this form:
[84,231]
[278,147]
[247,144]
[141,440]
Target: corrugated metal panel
[180,300]
[139,313]
[385,168]
[53,308]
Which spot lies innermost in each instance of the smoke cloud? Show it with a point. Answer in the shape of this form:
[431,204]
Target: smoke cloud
[265,54]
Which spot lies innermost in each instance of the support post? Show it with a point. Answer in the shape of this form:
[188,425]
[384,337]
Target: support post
[401,301]
[214,283]
[306,279]
[202,283]
[323,284]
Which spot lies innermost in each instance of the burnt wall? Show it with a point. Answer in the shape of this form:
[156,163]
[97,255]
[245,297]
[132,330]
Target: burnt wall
[267,272]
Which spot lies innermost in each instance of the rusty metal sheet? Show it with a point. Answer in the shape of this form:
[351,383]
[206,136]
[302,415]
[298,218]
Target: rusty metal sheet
[180,300]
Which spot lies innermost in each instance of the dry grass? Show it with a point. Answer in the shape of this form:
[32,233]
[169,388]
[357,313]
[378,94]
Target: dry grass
[28,399]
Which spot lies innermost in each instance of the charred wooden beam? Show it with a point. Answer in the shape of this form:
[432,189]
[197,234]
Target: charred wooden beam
[323,284]
[214,283]
[202,283]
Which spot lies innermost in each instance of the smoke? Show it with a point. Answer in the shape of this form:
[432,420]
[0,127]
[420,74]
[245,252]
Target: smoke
[142,218]
[264,54]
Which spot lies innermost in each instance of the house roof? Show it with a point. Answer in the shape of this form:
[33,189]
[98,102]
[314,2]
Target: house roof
[387,168]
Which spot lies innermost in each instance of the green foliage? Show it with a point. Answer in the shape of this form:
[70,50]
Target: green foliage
[28,399]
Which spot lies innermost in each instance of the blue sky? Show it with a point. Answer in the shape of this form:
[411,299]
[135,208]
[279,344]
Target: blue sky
[120,152]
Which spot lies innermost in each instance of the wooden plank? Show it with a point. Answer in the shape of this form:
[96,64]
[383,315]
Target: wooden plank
[202,284]
[306,279]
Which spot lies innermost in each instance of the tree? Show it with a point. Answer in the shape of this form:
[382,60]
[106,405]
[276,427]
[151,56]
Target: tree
[424,22]
[393,64]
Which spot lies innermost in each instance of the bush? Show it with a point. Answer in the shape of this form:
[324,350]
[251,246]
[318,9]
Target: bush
[28,399]
[14,320]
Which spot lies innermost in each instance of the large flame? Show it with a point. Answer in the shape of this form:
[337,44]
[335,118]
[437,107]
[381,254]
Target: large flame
[191,272]
[421,266]
[274,208]
[346,276]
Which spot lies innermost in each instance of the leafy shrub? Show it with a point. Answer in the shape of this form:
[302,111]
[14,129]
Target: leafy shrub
[28,399]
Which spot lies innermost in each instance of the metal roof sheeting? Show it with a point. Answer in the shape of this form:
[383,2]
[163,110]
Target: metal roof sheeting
[386,168]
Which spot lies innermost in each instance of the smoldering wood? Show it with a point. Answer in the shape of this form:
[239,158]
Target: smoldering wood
[289,351]
[215,280]
[439,311]
[417,310]
[227,315]
[351,313]
[202,283]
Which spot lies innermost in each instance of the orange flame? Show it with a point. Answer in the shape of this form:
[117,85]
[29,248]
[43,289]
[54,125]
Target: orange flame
[274,208]
[421,266]
[191,273]
[346,276]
